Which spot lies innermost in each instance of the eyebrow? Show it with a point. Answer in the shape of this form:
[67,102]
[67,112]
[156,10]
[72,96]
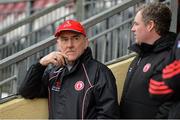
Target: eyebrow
[134,22]
[77,35]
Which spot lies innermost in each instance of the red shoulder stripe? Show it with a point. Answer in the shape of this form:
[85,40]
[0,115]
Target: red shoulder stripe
[159,88]
[168,91]
[171,70]
[158,83]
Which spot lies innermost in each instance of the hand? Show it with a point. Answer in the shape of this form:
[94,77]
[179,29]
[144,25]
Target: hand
[56,58]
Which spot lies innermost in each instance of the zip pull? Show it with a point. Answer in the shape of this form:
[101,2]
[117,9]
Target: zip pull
[139,61]
[130,69]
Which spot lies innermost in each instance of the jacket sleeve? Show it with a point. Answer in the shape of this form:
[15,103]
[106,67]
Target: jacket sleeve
[158,89]
[35,82]
[171,75]
[163,86]
[161,92]
[106,94]
[165,80]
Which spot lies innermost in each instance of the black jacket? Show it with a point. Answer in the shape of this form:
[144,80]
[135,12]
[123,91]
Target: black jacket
[172,79]
[136,101]
[88,90]
[165,84]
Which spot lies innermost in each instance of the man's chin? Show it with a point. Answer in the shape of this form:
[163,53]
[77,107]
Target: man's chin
[71,60]
[138,42]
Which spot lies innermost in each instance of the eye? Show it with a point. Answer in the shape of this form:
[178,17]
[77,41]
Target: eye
[135,23]
[64,39]
[76,38]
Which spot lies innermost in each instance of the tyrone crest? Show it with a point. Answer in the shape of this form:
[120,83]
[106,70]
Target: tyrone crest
[79,85]
[146,67]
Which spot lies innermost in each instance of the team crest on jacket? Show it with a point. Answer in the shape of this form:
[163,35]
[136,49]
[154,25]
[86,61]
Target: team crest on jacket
[79,85]
[146,67]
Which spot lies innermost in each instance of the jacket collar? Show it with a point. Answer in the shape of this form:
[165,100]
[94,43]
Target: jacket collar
[164,42]
[85,57]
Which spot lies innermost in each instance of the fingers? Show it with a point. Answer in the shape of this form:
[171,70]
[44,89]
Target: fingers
[54,62]
[55,58]
[62,54]
[60,59]
[63,57]
[43,61]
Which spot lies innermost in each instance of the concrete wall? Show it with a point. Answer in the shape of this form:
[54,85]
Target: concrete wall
[38,108]
[119,70]
[24,109]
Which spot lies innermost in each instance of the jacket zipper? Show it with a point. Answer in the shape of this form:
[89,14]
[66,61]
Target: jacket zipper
[132,70]
[139,61]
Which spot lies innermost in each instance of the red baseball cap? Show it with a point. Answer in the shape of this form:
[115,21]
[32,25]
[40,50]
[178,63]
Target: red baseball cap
[71,25]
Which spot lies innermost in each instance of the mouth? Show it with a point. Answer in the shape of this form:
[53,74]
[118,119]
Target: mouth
[69,52]
[135,36]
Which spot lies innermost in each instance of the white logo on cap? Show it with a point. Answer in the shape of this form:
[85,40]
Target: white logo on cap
[67,24]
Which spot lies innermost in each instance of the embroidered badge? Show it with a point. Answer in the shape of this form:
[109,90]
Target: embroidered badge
[79,85]
[146,67]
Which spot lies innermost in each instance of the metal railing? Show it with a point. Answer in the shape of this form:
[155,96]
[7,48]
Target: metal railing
[13,11]
[33,28]
[41,25]
[93,7]
[29,31]
[112,30]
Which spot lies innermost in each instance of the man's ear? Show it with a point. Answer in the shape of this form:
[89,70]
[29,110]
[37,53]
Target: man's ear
[58,44]
[87,42]
[150,25]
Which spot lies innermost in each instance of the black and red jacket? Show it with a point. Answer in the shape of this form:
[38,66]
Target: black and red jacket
[87,91]
[165,82]
[165,79]
[136,101]
[171,73]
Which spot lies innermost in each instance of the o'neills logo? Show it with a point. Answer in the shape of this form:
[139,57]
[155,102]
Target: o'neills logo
[56,86]
[146,67]
[79,85]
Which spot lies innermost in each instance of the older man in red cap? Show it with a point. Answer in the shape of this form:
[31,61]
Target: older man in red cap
[77,86]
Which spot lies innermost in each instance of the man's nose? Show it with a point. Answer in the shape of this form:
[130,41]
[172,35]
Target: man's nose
[132,29]
[70,43]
